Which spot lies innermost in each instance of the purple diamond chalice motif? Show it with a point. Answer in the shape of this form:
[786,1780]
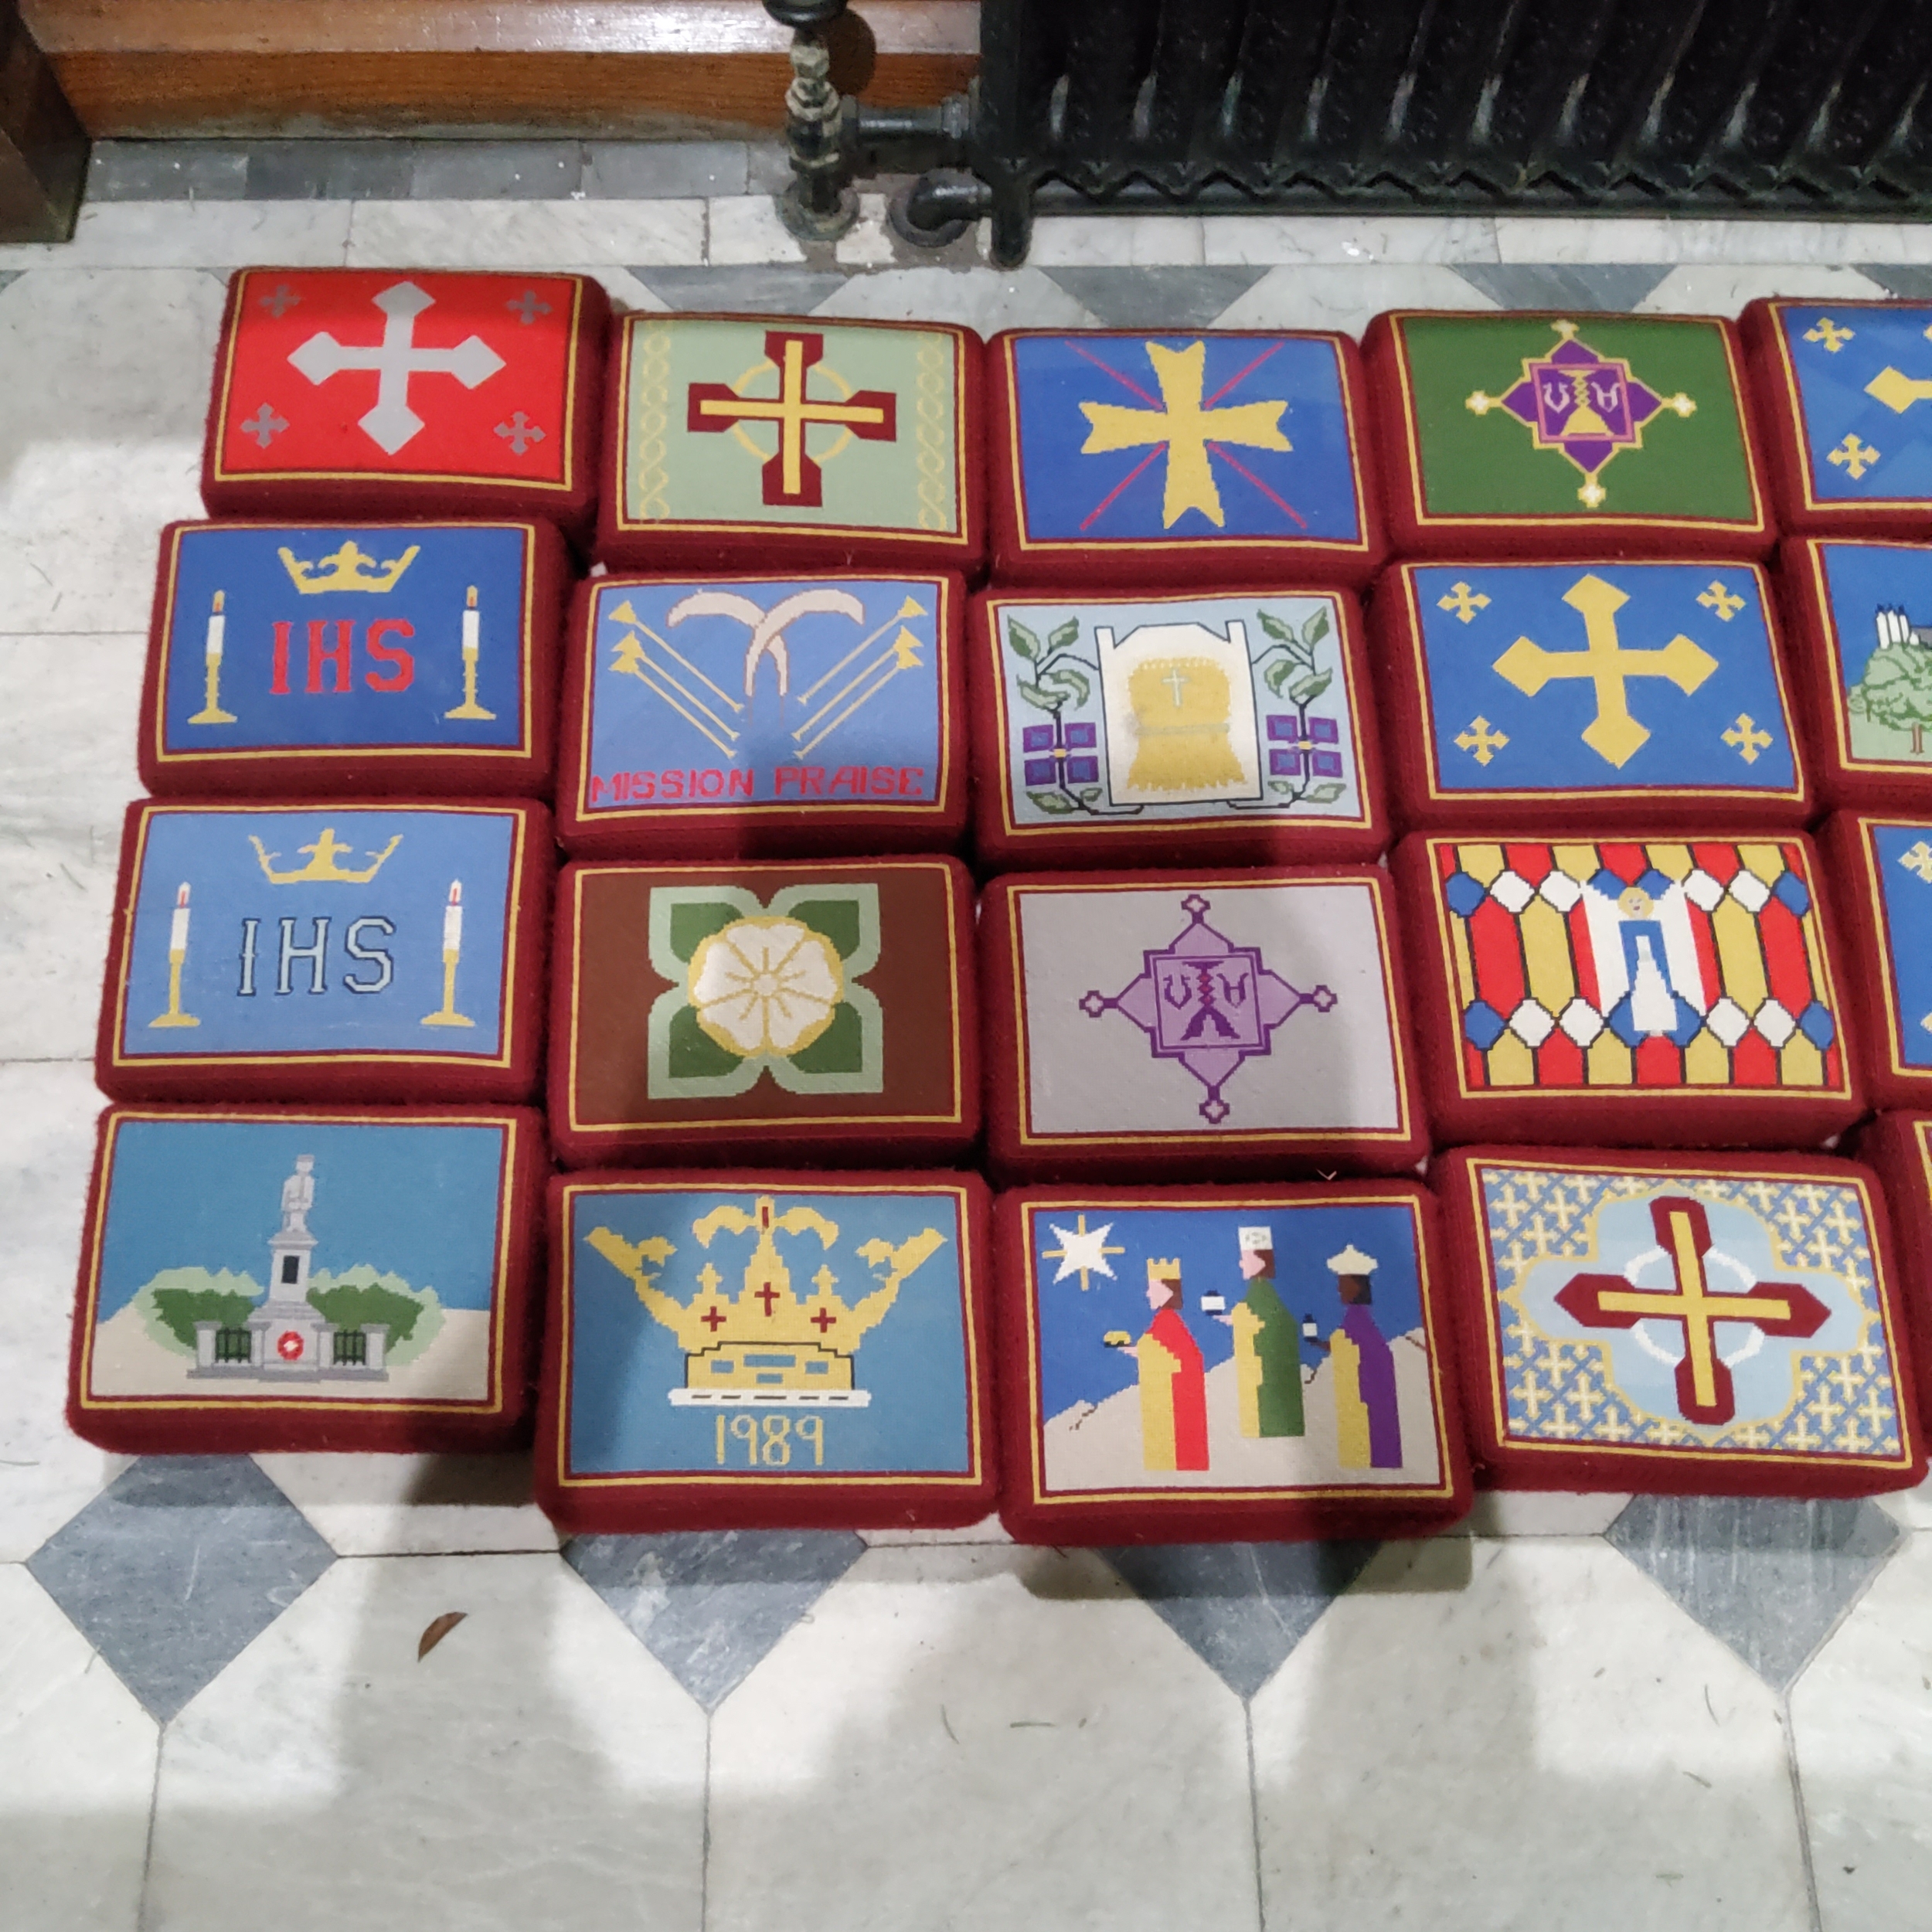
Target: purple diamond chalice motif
[1208,1003]
[1587,405]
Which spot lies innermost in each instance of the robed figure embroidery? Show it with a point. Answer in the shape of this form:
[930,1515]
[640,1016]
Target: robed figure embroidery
[1173,1378]
[1267,1346]
[1367,1426]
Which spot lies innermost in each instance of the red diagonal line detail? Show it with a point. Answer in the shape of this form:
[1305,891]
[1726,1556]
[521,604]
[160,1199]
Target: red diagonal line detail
[1106,501]
[1232,379]
[1278,502]
[1152,402]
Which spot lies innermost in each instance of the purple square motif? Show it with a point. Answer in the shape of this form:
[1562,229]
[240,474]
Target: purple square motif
[1081,737]
[1284,764]
[1042,771]
[1082,771]
[1283,727]
[1322,731]
[1037,738]
[1324,764]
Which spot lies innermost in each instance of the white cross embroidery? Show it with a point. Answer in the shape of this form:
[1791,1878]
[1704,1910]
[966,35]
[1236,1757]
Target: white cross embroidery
[392,423]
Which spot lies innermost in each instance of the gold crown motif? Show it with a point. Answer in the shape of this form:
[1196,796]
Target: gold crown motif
[322,869]
[345,570]
[767,1335]
[1165,1269]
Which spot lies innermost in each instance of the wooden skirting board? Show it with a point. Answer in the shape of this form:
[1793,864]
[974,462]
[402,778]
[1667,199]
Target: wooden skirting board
[640,68]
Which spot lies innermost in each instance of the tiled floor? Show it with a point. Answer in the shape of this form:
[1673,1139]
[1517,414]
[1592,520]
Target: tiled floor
[215,1711]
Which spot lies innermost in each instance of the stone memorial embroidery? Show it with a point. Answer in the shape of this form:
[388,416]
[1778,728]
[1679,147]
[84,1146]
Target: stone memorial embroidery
[1548,677]
[767,1332]
[1860,375]
[1716,1312]
[1207,1003]
[254,1260]
[1191,710]
[729,423]
[765,989]
[1879,600]
[1587,406]
[770,694]
[1235,436]
[375,637]
[1637,966]
[1252,1348]
[1902,863]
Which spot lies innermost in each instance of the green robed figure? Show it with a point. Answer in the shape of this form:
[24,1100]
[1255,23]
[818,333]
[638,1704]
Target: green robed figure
[1267,1346]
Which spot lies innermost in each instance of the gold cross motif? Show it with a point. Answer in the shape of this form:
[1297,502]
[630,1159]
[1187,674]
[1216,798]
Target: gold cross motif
[1745,740]
[1830,333]
[1613,734]
[1481,741]
[1464,602]
[1187,426]
[1874,1412]
[1898,391]
[1854,456]
[1726,602]
[1919,860]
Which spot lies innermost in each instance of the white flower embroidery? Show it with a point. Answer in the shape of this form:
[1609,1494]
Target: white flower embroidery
[765,986]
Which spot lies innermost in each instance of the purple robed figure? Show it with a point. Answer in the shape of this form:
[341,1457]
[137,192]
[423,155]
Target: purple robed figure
[1368,1424]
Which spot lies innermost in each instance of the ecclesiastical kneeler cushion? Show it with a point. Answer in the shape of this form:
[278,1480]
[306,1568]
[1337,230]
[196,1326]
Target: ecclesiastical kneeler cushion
[1847,451]
[720,716]
[1534,435]
[271,1278]
[1631,992]
[1882,891]
[744,442]
[366,950]
[766,1351]
[1159,1025]
[1682,1324]
[1584,695]
[1152,461]
[1223,728]
[1179,1365]
[356,391]
[1859,616]
[739,1010]
[1898,1148]
[347,657]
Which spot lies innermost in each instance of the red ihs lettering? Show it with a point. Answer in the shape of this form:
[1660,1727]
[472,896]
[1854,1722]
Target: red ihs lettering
[336,655]
[399,667]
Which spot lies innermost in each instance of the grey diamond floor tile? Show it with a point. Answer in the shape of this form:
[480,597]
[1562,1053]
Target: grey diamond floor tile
[1156,298]
[1910,281]
[176,1567]
[1242,1607]
[710,1605]
[762,291]
[1584,286]
[8,276]
[1770,1577]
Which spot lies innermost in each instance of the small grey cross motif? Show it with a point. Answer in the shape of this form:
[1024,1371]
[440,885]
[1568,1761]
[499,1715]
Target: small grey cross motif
[281,301]
[526,308]
[265,426]
[519,432]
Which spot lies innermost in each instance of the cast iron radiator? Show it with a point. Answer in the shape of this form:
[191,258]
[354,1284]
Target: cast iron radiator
[1786,107]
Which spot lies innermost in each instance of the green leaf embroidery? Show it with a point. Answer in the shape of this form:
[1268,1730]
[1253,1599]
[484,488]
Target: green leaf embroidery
[1274,627]
[1089,794]
[1022,640]
[1071,686]
[1278,673]
[1063,635]
[1324,795]
[1040,699]
[1279,784]
[1316,629]
[1309,686]
[1054,804]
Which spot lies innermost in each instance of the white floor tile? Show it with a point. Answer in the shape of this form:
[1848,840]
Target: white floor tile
[1102,241]
[1348,296]
[209,234]
[371,1505]
[68,708]
[1522,1733]
[980,1738]
[106,372]
[986,299]
[1556,238]
[1532,1512]
[1911,1507]
[524,234]
[539,1767]
[76,1775]
[989,1530]
[1861,1721]
[47,1475]
[1348,240]
[868,244]
[1718,288]
[745,228]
